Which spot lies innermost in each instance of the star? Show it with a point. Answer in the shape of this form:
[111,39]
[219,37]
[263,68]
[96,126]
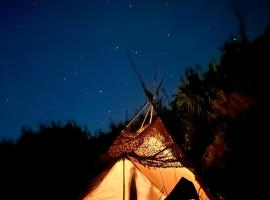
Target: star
[130,5]
[109,111]
[7,100]
[116,48]
[166,3]
[134,51]
[208,27]
[168,34]
[100,91]
[65,78]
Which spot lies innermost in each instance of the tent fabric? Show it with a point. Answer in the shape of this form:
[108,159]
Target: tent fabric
[153,147]
[146,182]
[111,187]
[166,178]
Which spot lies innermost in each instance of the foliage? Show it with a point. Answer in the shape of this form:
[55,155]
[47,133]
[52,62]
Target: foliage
[222,111]
[55,162]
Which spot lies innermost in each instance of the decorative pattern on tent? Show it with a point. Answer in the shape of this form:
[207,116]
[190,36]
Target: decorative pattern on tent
[153,147]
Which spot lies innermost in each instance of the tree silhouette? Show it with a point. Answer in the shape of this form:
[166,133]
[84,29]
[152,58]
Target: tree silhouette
[223,113]
[55,162]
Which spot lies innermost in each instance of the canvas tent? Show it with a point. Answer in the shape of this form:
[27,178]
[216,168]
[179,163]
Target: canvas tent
[148,165]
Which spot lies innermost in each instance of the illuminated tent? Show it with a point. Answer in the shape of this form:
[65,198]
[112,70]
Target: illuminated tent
[148,165]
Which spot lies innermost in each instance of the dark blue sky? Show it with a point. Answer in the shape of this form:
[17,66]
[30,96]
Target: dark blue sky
[62,60]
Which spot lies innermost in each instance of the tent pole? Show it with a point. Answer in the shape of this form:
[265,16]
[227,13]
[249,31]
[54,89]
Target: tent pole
[123,178]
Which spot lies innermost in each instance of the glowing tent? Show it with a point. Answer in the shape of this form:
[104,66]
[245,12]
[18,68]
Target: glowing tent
[148,165]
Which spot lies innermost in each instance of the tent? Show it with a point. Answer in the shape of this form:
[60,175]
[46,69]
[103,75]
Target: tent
[148,165]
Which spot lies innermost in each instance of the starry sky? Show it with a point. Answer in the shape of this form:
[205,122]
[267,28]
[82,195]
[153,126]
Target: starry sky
[67,59]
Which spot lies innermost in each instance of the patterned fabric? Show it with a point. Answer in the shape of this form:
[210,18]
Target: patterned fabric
[153,147]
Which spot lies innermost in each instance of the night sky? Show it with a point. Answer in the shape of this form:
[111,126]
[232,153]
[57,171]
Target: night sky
[67,60]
